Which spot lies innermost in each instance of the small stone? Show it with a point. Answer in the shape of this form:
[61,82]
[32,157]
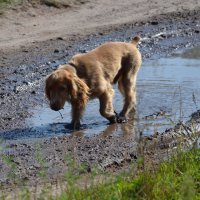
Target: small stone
[82,51]
[60,38]
[56,51]
[33,92]
[25,50]
[25,82]
[163,36]
[154,23]
[100,33]
[133,156]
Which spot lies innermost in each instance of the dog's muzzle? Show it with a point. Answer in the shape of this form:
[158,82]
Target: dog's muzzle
[55,107]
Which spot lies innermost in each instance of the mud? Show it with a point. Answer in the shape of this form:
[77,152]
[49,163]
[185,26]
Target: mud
[22,102]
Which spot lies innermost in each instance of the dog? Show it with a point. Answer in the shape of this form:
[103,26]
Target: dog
[91,75]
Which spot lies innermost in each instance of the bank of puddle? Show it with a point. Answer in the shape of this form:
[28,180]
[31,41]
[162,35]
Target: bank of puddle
[168,91]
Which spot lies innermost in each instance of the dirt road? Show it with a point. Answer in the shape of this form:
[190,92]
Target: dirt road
[27,29]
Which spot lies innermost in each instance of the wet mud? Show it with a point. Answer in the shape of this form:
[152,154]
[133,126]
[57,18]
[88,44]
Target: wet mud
[167,92]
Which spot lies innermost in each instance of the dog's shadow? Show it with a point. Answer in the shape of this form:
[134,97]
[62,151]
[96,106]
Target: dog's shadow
[42,131]
[61,128]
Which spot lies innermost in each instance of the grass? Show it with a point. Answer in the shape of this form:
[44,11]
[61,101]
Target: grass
[177,178]
[5,4]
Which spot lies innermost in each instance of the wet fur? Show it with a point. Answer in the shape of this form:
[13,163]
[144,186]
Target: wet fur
[91,75]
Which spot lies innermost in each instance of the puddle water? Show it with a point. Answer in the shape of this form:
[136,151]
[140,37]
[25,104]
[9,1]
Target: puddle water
[168,90]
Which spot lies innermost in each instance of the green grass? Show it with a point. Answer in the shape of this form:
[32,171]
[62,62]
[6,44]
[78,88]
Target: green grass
[177,178]
[4,4]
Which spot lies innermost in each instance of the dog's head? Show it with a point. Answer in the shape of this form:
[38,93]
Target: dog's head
[62,86]
[57,89]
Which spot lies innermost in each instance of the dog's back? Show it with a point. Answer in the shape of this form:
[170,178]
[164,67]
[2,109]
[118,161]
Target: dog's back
[107,62]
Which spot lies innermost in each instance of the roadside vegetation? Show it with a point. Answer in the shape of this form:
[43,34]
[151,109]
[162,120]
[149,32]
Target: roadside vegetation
[5,4]
[176,178]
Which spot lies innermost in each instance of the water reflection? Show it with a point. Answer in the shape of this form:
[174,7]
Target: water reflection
[171,85]
[192,53]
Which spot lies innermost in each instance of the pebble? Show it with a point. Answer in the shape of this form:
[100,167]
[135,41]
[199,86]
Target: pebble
[154,23]
[82,51]
[56,51]
[60,38]
[33,92]
[25,50]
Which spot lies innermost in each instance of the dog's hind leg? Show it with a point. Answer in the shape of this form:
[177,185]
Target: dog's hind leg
[127,84]
[127,88]
[106,105]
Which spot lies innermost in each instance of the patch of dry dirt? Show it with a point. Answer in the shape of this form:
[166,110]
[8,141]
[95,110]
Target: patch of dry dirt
[35,29]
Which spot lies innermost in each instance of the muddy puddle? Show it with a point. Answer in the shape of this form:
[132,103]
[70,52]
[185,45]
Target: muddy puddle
[168,91]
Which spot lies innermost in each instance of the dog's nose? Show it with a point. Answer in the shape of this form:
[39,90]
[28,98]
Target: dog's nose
[55,107]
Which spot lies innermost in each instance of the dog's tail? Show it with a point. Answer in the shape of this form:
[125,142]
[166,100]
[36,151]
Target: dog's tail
[136,40]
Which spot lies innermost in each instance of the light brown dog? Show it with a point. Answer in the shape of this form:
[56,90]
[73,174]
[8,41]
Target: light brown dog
[91,75]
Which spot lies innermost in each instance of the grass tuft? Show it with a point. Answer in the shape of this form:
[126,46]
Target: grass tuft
[4,4]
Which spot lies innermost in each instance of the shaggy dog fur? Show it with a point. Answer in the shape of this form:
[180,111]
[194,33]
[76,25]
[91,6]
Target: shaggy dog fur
[91,75]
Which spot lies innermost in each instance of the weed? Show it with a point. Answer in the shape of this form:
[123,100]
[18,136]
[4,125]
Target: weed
[7,4]
[41,161]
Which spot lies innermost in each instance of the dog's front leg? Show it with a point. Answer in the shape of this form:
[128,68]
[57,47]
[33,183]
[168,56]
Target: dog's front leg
[76,116]
[75,124]
[106,106]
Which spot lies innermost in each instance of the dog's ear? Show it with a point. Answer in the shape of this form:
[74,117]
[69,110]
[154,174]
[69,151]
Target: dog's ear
[71,86]
[79,91]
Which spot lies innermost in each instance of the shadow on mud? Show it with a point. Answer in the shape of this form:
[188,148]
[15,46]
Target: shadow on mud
[58,129]
[35,132]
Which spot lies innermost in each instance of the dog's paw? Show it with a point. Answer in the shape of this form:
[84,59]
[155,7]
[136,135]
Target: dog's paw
[121,119]
[75,125]
[112,119]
